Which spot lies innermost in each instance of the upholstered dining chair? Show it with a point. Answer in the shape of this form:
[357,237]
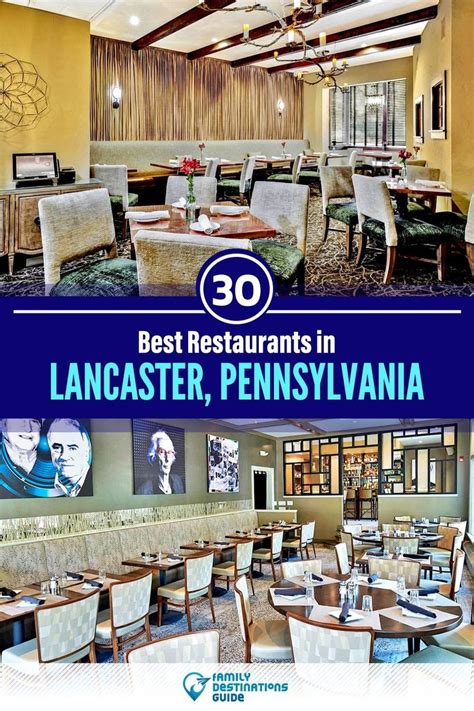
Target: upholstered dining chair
[75,225]
[342,559]
[378,222]
[169,264]
[391,543]
[446,520]
[391,569]
[264,639]
[299,543]
[336,183]
[243,185]
[318,642]
[285,208]
[451,589]
[356,530]
[292,568]
[460,525]
[460,228]
[212,167]
[418,172]
[242,565]
[129,604]
[201,647]
[188,591]
[205,190]
[270,555]
[417,162]
[348,541]
[292,177]
[65,633]
[115,179]
[310,532]
[460,640]
[442,555]
[353,159]
[314,175]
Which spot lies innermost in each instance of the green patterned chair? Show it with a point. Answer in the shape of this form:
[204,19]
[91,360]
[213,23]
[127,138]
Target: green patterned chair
[292,177]
[77,225]
[459,228]
[241,186]
[336,182]
[312,176]
[285,208]
[377,222]
[64,634]
[115,179]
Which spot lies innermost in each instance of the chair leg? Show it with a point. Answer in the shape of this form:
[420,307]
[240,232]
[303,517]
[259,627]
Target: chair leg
[362,249]
[314,548]
[211,603]
[124,227]
[160,610]
[441,260]
[92,654]
[188,614]
[410,646]
[273,570]
[325,228]
[115,648]
[349,238]
[251,581]
[390,264]
[470,256]
[147,629]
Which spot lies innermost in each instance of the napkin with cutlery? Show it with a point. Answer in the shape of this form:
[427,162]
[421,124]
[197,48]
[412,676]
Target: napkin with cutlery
[289,592]
[424,592]
[415,609]
[316,578]
[148,216]
[345,612]
[181,203]
[373,578]
[228,209]
[149,555]
[7,593]
[91,584]
[74,576]
[174,557]
[28,601]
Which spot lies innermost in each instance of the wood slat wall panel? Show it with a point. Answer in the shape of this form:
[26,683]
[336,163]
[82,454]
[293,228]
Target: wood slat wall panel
[166,97]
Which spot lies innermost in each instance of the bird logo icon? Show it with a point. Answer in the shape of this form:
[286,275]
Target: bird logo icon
[194,684]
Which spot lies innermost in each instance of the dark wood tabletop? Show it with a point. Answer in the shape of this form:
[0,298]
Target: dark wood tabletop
[248,536]
[413,188]
[423,538]
[381,599]
[208,546]
[158,563]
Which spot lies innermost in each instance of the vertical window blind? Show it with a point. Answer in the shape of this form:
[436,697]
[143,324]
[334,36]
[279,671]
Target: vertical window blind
[369,114]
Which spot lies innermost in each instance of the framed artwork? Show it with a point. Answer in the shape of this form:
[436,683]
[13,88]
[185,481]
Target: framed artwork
[222,465]
[45,459]
[419,119]
[158,459]
[438,108]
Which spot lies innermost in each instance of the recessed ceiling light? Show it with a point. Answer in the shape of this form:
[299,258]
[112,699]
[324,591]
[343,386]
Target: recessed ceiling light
[134,20]
[214,39]
[364,45]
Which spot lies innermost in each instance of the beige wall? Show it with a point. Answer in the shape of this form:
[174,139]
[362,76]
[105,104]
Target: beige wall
[59,47]
[315,113]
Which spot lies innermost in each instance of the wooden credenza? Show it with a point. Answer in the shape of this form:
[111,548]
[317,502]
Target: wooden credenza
[20,231]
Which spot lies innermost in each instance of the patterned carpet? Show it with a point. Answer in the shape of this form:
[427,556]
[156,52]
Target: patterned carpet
[328,273]
[232,649]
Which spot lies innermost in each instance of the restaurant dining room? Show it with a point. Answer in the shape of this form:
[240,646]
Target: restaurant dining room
[332,138]
[204,541]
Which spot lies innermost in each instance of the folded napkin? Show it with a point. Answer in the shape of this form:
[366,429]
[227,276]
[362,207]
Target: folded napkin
[423,592]
[345,612]
[174,162]
[416,609]
[316,578]
[369,534]
[181,202]
[377,554]
[6,592]
[373,578]
[221,543]
[428,183]
[205,542]
[228,209]
[148,216]
[281,157]
[149,555]
[31,600]
[416,556]
[74,576]
[289,592]
[174,557]
[89,584]
[205,224]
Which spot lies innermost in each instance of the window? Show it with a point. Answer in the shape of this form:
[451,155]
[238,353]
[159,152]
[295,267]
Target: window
[369,114]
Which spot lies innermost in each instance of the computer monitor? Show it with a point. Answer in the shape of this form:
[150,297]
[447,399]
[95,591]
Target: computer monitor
[34,165]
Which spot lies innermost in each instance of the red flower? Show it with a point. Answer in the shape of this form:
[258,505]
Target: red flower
[405,155]
[189,166]
[201,146]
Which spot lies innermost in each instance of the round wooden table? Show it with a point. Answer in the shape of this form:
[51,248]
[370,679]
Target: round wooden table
[381,599]
[377,540]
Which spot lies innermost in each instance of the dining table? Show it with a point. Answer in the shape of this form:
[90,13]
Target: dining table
[402,190]
[244,226]
[389,626]
[377,538]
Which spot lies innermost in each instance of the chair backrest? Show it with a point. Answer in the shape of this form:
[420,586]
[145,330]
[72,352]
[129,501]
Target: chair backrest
[114,178]
[243,557]
[391,569]
[373,201]
[323,160]
[246,174]
[299,567]
[449,519]
[348,541]
[66,628]
[397,519]
[212,166]
[417,161]
[351,494]
[460,525]
[469,235]
[319,642]
[342,559]
[449,533]
[242,600]
[456,573]
[198,572]
[130,601]
[353,159]
[188,648]
[389,528]
[277,543]
[169,264]
[409,545]
[418,172]
[205,190]
[297,163]
[365,493]
[354,528]
[311,525]
[72,226]
[284,207]
[305,533]
[336,182]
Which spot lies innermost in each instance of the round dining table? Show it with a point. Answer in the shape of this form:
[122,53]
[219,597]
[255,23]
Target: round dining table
[381,599]
[425,538]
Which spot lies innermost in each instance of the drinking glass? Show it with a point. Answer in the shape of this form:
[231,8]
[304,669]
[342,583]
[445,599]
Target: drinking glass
[367,603]
[386,553]
[45,587]
[401,586]
[102,575]
[414,597]
[201,543]
[160,553]
[63,581]
[343,590]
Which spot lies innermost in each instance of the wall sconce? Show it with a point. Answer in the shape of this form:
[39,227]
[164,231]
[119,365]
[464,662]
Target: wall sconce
[264,453]
[280,107]
[116,97]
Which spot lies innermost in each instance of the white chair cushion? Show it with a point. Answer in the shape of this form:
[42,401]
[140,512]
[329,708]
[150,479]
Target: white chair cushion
[271,640]
[27,653]
[225,568]
[103,631]
[177,591]
[293,544]
[262,554]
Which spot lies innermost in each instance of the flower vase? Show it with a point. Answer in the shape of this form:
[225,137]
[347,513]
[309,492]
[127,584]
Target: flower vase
[190,201]
[404,172]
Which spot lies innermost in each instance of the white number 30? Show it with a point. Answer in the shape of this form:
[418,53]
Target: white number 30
[230,291]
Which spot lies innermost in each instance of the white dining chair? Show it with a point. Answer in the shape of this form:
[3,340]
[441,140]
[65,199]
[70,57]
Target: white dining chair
[115,179]
[451,589]
[391,569]
[242,565]
[188,591]
[293,568]
[409,545]
[299,543]
[342,559]
[212,167]
[200,647]
[205,190]
[337,191]
[270,555]
[243,184]
[320,643]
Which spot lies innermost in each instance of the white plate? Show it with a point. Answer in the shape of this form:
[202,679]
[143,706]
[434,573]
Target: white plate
[196,227]
[151,219]
[353,616]
[178,205]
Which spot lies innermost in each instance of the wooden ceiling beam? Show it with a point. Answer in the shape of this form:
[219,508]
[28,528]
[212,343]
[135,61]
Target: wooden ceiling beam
[408,18]
[179,23]
[359,52]
[257,33]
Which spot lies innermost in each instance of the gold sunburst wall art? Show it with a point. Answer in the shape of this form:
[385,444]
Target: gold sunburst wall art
[23,94]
